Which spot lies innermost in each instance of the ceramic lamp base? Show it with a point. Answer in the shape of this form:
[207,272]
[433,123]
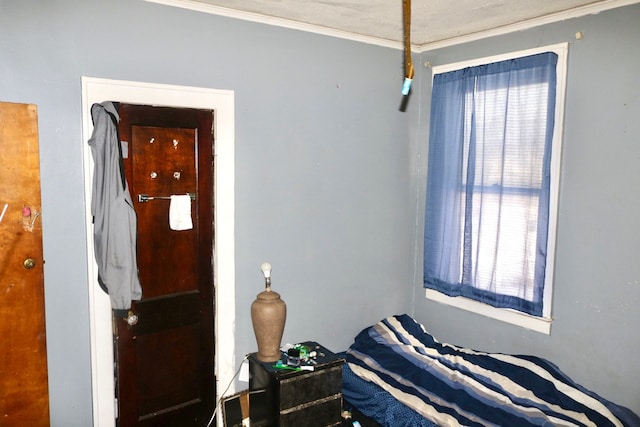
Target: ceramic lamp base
[268,315]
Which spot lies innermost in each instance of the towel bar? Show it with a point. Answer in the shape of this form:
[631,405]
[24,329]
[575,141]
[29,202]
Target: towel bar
[145,197]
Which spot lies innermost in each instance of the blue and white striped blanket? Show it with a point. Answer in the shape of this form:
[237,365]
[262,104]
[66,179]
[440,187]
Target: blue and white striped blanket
[454,386]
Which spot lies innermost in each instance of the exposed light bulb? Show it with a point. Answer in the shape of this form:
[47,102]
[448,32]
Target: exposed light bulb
[266,270]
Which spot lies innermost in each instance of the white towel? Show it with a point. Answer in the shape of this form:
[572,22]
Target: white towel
[180,212]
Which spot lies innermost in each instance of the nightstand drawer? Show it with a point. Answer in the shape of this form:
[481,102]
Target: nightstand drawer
[310,387]
[321,413]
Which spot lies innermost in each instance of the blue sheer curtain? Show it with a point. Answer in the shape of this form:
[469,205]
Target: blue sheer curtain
[487,205]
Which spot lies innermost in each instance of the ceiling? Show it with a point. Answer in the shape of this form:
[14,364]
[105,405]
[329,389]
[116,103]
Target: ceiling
[380,21]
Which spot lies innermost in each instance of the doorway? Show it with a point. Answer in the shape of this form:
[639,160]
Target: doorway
[222,103]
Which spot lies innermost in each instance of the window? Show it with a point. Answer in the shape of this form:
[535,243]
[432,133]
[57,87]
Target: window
[492,184]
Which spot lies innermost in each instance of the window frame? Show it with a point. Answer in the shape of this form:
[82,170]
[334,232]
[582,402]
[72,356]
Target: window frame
[540,324]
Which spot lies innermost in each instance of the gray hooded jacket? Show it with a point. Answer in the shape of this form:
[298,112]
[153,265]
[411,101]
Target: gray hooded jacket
[114,219]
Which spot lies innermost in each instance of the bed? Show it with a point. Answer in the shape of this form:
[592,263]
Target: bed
[397,374]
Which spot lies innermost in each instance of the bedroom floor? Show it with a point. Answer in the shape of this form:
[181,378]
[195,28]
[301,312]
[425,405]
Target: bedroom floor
[362,419]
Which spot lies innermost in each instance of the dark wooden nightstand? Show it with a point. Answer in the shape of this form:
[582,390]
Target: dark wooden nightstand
[282,397]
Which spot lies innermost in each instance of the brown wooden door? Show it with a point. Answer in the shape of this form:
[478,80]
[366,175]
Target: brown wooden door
[165,362]
[24,391]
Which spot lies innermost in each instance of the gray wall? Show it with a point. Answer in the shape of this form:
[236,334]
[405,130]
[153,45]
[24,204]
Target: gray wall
[330,176]
[594,335]
[321,162]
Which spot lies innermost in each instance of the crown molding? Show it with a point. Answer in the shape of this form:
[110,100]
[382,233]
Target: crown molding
[278,22]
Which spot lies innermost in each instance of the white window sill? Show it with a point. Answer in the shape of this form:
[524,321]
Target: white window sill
[538,324]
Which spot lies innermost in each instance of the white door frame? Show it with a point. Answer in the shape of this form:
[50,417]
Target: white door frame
[222,103]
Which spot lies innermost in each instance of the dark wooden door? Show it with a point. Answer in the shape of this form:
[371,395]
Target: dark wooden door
[24,391]
[165,362]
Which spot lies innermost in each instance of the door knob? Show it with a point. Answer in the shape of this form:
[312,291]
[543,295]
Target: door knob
[131,318]
[29,263]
